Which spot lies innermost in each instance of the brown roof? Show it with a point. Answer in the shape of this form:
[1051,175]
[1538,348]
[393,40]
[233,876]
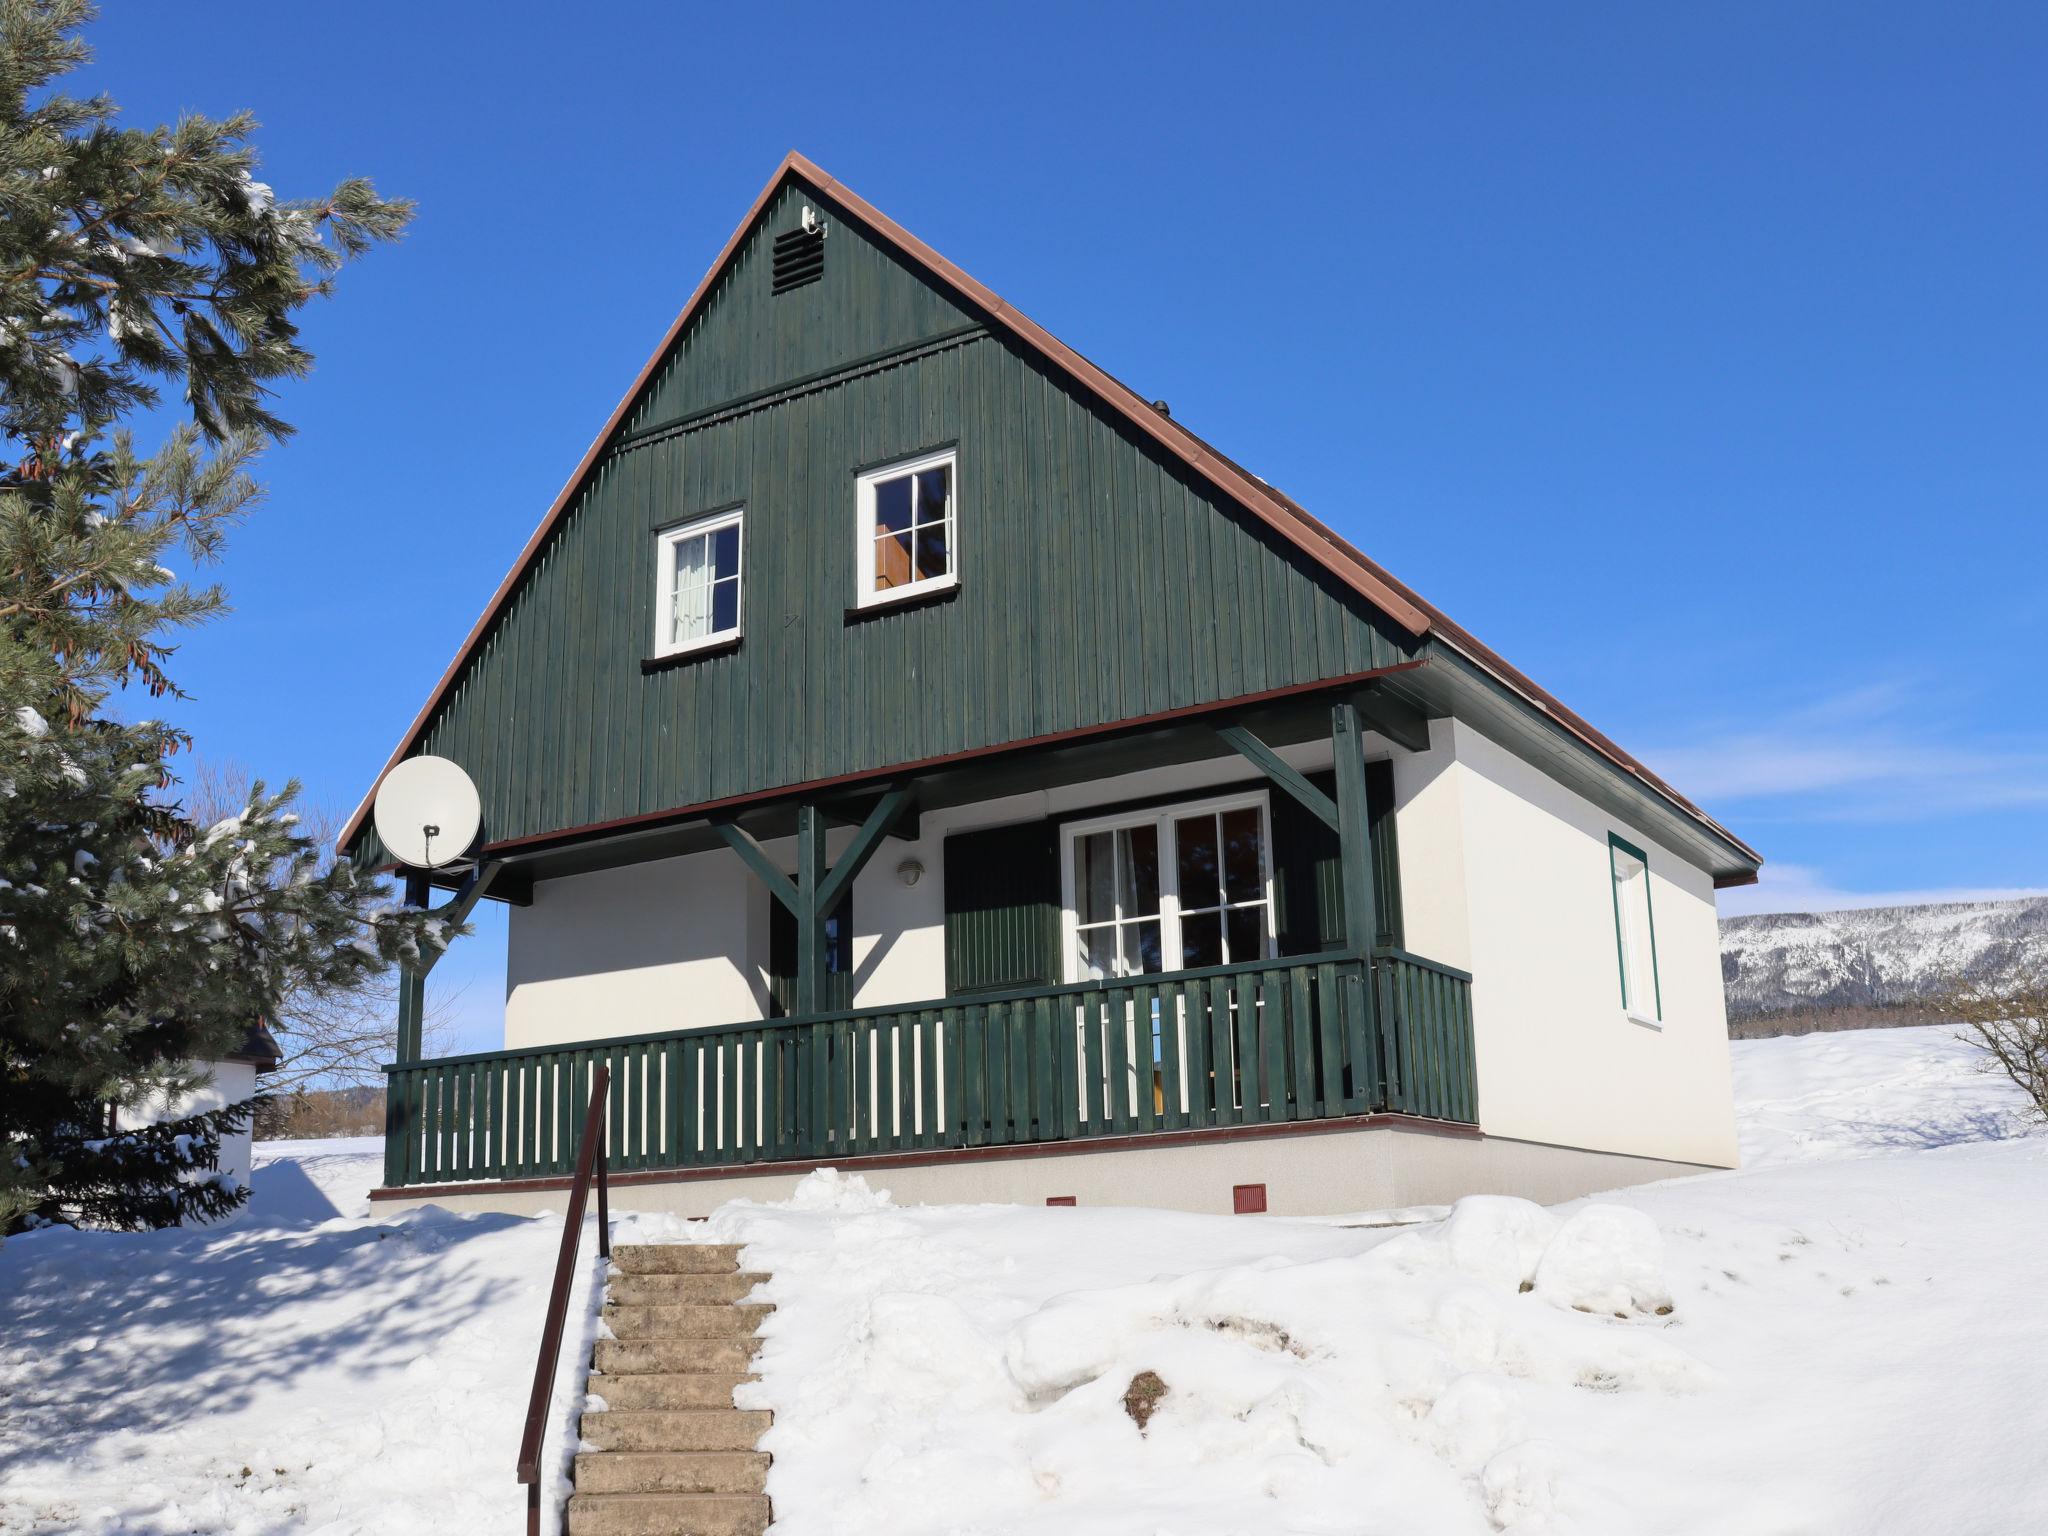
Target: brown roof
[1279,512]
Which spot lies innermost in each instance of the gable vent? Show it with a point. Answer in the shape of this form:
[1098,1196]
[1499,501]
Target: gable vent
[799,258]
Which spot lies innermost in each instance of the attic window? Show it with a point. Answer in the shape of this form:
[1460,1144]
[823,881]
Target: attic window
[908,533]
[799,257]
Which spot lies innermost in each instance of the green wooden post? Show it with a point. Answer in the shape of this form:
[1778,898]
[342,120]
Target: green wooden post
[1361,924]
[412,984]
[399,1125]
[1354,835]
[810,916]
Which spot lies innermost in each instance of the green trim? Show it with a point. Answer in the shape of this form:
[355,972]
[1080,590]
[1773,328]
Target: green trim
[809,383]
[1616,841]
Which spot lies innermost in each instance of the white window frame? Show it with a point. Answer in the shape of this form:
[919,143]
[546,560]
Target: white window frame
[871,596]
[1163,818]
[665,582]
[1634,1005]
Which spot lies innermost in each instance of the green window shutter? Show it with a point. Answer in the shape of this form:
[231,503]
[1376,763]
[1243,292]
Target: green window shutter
[1308,866]
[1002,908]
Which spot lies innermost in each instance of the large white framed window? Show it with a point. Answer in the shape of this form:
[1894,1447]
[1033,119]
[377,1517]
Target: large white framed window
[908,534]
[1175,888]
[697,590]
[1635,932]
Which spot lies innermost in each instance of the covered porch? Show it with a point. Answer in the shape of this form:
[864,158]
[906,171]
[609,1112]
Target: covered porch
[1310,1021]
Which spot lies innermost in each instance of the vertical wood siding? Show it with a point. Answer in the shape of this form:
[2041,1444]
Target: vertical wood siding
[745,338]
[1097,582]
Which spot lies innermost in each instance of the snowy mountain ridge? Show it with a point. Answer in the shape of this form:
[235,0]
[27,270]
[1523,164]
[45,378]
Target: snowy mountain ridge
[1875,959]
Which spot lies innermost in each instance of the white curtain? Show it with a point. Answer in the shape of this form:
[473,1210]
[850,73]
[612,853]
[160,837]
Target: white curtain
[693,589]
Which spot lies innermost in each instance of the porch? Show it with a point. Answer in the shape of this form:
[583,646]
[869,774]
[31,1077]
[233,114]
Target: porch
[1078,1002]
[1312,1038]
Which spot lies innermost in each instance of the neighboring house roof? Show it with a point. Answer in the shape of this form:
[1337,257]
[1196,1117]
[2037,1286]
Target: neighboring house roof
[1279,512]
[259,1048]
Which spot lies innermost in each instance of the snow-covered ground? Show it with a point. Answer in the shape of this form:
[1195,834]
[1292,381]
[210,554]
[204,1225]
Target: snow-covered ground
[1854,1344]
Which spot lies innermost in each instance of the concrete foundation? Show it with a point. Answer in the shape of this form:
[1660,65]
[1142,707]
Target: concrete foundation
[1305,1173]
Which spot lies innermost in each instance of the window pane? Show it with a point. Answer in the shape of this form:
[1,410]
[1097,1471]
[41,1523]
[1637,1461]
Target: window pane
[725,551]
[1242,873]
[931,551]
[1632,912]
[892,560]
[1094,878]
[725,605]
[892,505]
[1201,940]
[1247,932]
[1138,870]
[934,492]
[1194,839]
[1096,951]
[1141,949]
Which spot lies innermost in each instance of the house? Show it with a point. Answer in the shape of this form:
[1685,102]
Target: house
[230,1080]
[902,746]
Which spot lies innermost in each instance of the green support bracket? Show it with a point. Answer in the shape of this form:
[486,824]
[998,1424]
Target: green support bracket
[755,857]
[880,822]
[1282,773]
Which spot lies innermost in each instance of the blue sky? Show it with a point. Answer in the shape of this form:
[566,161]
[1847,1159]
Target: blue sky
[1695,357]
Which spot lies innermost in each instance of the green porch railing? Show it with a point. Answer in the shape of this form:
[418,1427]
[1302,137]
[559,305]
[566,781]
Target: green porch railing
[1426,1037]
[1281,1040]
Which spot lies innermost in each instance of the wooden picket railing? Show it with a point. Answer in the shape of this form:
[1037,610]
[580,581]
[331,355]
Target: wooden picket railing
[1280,1040]
[1426,1025]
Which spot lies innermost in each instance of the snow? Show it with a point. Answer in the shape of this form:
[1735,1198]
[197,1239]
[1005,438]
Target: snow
[1844,1337]
[1862,1092]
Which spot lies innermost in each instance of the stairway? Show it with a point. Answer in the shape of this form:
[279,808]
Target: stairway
[669,1455]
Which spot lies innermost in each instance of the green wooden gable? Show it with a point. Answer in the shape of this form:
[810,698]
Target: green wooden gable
[1100,580]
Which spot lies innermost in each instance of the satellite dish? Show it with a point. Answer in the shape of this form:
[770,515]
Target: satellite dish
[428,812]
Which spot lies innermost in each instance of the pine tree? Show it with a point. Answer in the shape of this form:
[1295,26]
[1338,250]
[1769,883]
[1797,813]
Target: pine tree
[135,943]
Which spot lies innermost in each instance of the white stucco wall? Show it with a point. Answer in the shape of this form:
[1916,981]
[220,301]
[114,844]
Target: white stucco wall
[1559,1059]
[231,1083]
[670,944]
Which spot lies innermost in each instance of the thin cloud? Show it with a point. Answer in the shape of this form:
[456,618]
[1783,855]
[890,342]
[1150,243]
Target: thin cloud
[1875,753]
[1802,888]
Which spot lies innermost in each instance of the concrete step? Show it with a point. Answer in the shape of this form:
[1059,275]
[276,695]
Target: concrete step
[682,1289]
[676,1258]
[673,1357]
[668,1514]
[676,1429]
[694,1389]
[730,1320]
[670,1472]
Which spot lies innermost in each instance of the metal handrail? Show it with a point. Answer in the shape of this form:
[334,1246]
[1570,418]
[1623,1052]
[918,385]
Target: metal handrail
[589,1155]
